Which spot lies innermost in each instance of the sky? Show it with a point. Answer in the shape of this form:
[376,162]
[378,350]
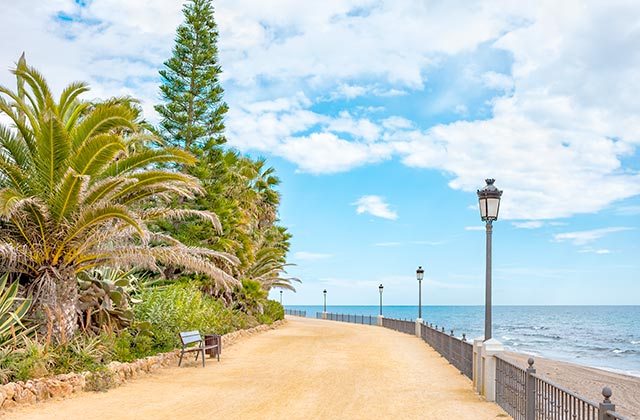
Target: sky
[383,118]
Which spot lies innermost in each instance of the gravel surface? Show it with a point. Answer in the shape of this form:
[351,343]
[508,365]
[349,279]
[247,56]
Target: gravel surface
[307,369]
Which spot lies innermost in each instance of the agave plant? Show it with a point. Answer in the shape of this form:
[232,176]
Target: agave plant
[104,299]
[12,310]
[79,186]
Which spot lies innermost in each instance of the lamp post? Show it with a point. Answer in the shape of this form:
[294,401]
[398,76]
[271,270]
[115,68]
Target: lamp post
[419,276]
[489,202]
[324,292]
[280,297]
[380,289]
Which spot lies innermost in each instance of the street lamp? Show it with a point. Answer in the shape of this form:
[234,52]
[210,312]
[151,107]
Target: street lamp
[325,300]
[489,201]
[420,276]
[280,297]
[380,289]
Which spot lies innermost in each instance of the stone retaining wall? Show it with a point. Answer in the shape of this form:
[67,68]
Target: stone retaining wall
[114,374]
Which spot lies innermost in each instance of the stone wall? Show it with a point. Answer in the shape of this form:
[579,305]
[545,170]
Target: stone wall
[114,374]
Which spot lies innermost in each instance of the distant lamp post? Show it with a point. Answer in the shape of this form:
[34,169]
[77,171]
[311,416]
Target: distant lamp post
[489,201]
[324,292]
[420,276]
[380,289]
[280,297]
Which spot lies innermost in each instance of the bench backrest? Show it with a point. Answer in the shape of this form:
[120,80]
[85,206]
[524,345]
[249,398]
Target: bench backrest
[190,337]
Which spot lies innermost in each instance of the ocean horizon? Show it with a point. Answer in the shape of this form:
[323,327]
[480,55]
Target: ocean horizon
[600,336]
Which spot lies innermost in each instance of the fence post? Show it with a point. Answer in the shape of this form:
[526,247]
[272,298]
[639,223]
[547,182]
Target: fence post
[530,392]
[606,405]
[490,349]
[477,364]
[450,358]
[462,357]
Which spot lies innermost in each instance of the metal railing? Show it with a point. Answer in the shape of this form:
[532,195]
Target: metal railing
[295,312]
[354,319]
[457,351]
[524,395]
[407,327]
[511,388]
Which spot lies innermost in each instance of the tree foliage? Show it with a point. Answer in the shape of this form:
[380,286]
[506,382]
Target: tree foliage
[242,191]
[79,184]
[193,110]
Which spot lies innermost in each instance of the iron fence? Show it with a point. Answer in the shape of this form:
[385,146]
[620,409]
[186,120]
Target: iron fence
[524,395]
[407,327]
[511,389]
[295,312]
[456,350]
[354,319]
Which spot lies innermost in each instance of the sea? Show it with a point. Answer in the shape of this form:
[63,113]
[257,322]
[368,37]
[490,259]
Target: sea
[606,337]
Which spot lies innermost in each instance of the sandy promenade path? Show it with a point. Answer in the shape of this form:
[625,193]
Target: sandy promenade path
[307,369]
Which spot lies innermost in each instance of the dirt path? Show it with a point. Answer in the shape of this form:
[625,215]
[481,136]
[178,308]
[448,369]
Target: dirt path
[308,369]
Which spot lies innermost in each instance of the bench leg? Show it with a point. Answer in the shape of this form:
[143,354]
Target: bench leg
[180,361]
[197,354]
[202,357]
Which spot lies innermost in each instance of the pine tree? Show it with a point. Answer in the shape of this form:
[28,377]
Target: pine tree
[193,110]
[239,190]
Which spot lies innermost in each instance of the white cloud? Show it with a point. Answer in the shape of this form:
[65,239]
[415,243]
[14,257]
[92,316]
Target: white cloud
[584,237]
[310,256]
[328,153]
[529,224]
[628,210]
[563,121]
[473,228]
[498,81]
[387,244]
[602,251]
[375,206]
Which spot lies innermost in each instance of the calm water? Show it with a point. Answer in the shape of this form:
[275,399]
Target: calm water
[599,336]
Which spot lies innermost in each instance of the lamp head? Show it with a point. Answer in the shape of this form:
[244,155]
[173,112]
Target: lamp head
[489,201]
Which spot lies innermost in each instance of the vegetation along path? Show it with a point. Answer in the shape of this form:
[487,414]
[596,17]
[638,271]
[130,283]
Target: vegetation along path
[307,369]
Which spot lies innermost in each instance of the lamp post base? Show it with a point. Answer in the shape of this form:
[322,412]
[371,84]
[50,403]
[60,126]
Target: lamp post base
[380,318]
[324,315]
[419,322]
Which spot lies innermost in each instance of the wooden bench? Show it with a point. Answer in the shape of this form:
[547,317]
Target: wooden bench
[192,341]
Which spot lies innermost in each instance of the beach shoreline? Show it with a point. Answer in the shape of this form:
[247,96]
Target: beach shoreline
[587,381]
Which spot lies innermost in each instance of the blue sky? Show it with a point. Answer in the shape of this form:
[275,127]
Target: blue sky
[382,118]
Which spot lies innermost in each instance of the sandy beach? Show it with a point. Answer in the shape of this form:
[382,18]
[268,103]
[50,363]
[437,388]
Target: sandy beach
[307,369]
[588,382]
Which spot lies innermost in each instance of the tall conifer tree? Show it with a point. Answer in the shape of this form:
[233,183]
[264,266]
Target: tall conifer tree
[240,190]
[193,110]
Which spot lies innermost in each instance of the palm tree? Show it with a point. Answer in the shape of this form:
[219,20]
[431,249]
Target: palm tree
[79,183]
[269,268]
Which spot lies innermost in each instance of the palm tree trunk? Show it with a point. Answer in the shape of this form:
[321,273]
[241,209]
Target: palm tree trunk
[57,304]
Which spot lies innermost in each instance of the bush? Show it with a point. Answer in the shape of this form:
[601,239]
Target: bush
[80,354]
[273,311]
[183,307]
[130,345]
[100,380]
[31,360]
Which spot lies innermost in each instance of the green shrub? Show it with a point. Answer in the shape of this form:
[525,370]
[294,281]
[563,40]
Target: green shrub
[100,380]
[183,307]
[80,354]
[128,347]
[273,311]
[30,359]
